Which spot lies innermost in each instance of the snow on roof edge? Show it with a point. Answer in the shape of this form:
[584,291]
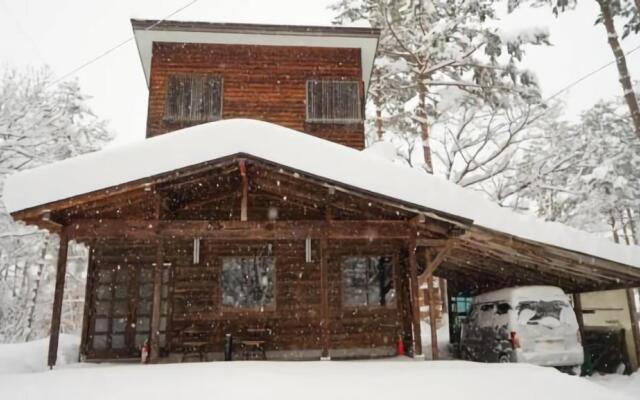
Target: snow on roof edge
[290,148]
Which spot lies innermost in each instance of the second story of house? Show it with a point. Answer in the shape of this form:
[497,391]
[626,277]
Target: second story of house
[311,79]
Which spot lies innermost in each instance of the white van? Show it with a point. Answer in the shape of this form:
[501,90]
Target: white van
[531,324]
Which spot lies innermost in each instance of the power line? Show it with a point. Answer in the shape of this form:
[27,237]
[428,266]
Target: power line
[588,75]
[117,46]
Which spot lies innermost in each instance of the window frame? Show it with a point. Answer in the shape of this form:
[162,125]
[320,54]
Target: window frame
[165,114]
[228,309]
[388,306]
[340,121]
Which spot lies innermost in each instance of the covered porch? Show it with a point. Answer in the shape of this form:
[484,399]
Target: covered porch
[337,240]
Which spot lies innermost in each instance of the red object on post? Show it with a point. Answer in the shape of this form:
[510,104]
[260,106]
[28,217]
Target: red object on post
[400,347]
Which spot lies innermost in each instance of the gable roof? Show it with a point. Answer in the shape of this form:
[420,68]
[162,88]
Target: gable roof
[327,160]
[148,31]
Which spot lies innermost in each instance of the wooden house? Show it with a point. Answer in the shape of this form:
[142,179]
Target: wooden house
[229,220]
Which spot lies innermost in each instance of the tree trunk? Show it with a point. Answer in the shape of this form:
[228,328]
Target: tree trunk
[377,101]
[621,63]
[614,229]
[632,223]
[421,113]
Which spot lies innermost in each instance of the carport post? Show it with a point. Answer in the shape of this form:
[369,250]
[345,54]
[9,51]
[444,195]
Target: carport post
[56,315]
[415,300]
[432,318]
[577,307]
[634,315]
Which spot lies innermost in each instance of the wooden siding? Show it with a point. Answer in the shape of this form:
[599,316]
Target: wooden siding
[295,324]
[260,82]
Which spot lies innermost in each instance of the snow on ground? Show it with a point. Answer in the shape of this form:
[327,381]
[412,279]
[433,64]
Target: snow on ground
[32,356]
[629,385]
[23,376]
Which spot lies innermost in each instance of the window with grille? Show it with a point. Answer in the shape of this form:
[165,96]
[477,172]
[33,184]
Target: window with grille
[333,101]
[248,282]
[193,98]
[367,281]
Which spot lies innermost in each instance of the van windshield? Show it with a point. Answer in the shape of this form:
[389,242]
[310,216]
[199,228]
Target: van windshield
[532,312]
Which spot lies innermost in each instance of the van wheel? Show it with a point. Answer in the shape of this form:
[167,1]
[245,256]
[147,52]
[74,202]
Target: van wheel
[504,359]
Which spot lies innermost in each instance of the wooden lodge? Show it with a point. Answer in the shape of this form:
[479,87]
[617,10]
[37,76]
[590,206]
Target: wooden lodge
[228,220]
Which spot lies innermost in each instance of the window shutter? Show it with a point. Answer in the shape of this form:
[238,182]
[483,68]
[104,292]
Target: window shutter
[333,101]
[193,98]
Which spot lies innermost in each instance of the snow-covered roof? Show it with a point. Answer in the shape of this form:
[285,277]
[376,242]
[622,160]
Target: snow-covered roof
[302,152]
[147,32]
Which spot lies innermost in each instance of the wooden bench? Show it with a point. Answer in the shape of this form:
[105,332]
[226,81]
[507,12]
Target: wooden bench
[254,345]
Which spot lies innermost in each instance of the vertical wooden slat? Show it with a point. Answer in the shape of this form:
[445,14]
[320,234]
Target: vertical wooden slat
[154,353]
[56,316]
[245,191]
[415,300]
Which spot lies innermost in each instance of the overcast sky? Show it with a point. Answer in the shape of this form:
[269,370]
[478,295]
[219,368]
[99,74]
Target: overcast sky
[66,33]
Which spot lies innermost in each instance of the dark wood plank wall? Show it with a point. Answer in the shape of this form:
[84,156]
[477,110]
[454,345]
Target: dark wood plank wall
[260,82]
[195,296]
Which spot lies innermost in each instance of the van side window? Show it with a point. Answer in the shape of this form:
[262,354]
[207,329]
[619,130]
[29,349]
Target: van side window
[503,308]
[533,311]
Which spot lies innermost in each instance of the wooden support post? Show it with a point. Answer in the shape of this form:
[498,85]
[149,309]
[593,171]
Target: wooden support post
[577,307]
[634,315]
[432,265]
[442,284]
[154,353]
[245,192]
[324,293]
[432,319]
[86,316]
[56,315]
[415,299]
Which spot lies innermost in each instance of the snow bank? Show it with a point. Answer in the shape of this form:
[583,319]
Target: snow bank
[32,356]
[370,380]
[293,149]
[23,375]
[629,385]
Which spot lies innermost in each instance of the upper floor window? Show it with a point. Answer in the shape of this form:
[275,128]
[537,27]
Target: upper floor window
[248,282]
[368,281]
[333,101]
[193,98]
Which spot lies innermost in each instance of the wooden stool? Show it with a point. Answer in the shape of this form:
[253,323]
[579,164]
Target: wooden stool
[253,348]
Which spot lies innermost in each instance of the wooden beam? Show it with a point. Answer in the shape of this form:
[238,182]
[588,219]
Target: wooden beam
[154,353]
[415,299]
[432,242]
[432,265]
[56,315]
[245,191]
[231,230]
